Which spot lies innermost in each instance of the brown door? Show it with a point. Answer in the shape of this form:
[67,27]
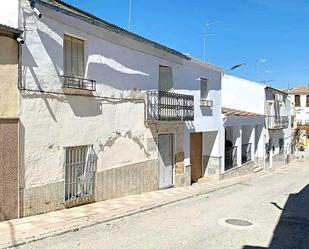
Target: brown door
[196,156]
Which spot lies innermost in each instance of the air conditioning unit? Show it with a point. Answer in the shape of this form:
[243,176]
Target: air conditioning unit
[206,103]
[278,97]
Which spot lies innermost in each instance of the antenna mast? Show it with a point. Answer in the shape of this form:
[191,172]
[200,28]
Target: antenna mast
[130,10]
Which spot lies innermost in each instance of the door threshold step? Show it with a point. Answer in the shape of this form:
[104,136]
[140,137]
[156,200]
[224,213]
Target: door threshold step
[257,169]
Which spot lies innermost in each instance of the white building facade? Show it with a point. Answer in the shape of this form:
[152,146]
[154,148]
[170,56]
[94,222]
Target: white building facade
[257,119]
[104,113]
[243,125]
[279,135]
[299,96]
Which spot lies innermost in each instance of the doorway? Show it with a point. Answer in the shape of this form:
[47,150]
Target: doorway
[166,152]
[196,155]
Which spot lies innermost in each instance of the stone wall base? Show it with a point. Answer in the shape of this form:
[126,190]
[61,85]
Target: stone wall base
[242,170]
[126,180]
[111,183]
[184,179]
[212,167]
[41,199]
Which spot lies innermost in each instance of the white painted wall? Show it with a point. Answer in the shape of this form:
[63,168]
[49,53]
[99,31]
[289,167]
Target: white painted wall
[241,94]
[285,109]
[206,119]
[123,68]
[9,13]
[302,112]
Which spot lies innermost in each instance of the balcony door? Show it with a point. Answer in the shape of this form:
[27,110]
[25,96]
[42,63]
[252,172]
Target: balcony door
[165,144]
[165,78]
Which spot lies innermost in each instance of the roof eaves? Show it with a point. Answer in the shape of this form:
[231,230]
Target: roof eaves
[10,31]
[276,90]
[92,19]
[238,113]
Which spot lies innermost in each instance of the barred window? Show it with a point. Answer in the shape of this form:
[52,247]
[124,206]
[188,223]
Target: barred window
[80,168]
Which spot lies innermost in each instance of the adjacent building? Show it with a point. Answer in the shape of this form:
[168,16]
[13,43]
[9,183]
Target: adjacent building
[243,125]
[9,121]
[299,97]
[279,136]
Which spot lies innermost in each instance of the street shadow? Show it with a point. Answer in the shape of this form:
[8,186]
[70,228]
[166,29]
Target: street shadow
[4,217]
[292,230]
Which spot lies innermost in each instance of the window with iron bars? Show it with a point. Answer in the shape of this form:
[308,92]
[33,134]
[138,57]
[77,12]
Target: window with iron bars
[79,170]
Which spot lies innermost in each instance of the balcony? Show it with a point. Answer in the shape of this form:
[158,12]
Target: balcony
[168,106]
[277,122]
[78,83]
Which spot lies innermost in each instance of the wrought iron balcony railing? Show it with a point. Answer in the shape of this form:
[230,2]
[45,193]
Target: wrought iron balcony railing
[246,153]
[277,122]
[78,83]
[167,106]
[230,157]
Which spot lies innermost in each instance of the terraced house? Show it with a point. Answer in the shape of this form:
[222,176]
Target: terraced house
[90,111]
[101,112]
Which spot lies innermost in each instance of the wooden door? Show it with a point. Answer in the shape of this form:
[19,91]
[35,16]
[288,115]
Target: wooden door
[196,156]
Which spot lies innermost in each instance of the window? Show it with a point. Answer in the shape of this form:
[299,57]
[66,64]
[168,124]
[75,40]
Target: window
[307,101]
[165,78]
[297,100]
[73,56]
[203,88]
[79,171]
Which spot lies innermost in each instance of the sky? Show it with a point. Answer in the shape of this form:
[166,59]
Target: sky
[243,31]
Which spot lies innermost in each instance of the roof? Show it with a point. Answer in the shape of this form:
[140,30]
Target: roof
[276,90]
[299,90]
[235,112]
[92,19]
[9,31]
[244,80]
[207,64]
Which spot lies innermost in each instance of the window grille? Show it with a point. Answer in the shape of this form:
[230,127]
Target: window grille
[80,168]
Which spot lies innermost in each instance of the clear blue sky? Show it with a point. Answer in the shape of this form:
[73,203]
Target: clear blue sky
[247,30]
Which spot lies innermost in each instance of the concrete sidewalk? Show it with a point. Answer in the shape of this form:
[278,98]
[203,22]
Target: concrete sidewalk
[24,230]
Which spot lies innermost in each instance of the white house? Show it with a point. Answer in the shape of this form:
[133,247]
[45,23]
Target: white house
[99,112]
[203,135]
[257,119]
[279,146]
[299,97]
[103,112]
[243,125]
